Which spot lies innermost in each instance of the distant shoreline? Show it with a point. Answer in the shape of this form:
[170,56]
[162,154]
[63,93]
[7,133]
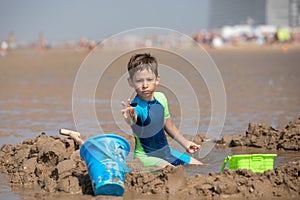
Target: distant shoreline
[240,48]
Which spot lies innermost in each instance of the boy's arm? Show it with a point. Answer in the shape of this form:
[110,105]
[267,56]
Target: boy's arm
[171,129]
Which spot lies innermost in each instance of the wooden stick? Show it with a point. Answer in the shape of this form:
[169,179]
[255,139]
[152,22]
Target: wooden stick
[68,132]
[73,134]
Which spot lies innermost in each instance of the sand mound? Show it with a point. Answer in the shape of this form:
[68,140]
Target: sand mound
[261,136]
[283,182]
[54,164]
[51,162]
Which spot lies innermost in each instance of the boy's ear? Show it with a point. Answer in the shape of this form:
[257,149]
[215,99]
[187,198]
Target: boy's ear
[157,80]
[130,82]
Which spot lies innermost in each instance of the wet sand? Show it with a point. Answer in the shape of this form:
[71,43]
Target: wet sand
[262,86]
[53,165]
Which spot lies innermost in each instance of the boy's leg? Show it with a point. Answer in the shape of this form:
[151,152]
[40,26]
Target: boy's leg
[151,161]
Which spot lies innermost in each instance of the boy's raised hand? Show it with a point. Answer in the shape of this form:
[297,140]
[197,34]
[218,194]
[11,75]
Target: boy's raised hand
[128,113]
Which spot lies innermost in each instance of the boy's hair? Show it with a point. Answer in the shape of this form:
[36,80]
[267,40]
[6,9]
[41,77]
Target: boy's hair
[140,62]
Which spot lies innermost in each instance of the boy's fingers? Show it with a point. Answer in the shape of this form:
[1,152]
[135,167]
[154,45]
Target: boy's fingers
[193,147]
[123,104]
[128,102]
[196,148]
[124,111]
[132,112]
[128,112]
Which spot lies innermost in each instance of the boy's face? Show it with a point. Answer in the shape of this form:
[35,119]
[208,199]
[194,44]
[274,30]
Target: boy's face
[144,82]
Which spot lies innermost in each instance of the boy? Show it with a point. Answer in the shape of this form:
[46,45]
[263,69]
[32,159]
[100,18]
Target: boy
[148,115]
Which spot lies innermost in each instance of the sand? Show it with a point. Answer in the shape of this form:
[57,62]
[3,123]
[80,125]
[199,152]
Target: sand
[263,137]
[54,164]
[262,87]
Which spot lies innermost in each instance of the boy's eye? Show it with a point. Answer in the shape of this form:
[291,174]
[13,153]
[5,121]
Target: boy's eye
[142,81]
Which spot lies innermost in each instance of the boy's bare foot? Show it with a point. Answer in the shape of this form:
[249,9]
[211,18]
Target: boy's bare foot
[195,162]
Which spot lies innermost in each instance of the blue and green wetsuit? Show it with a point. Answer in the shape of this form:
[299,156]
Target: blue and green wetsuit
[151,143]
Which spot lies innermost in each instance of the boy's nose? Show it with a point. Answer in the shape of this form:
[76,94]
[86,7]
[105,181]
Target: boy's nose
[145,83]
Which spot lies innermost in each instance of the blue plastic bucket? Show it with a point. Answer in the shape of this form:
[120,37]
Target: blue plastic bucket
[105,156]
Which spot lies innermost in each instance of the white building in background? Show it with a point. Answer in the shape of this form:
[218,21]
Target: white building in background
[283,12]
[236,12]
[294,16]
[277,12]
[260,12]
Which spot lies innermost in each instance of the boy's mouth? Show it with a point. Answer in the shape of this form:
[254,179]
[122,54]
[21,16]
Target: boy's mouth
[145,91]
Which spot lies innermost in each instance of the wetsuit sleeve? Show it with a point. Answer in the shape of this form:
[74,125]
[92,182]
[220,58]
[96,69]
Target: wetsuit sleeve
[163,100]
[141,113]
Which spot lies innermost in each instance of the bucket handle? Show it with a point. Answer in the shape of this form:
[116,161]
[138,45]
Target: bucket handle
[224,164]
[110,155]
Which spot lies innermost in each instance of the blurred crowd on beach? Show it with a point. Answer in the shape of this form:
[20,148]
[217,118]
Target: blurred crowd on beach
[225,37]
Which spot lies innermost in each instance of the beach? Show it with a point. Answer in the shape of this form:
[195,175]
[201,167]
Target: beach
[262,87]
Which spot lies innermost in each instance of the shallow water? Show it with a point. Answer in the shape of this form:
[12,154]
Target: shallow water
[36,96]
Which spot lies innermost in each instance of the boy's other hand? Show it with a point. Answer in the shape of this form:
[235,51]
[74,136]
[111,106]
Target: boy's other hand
[192,147]
[128,113]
